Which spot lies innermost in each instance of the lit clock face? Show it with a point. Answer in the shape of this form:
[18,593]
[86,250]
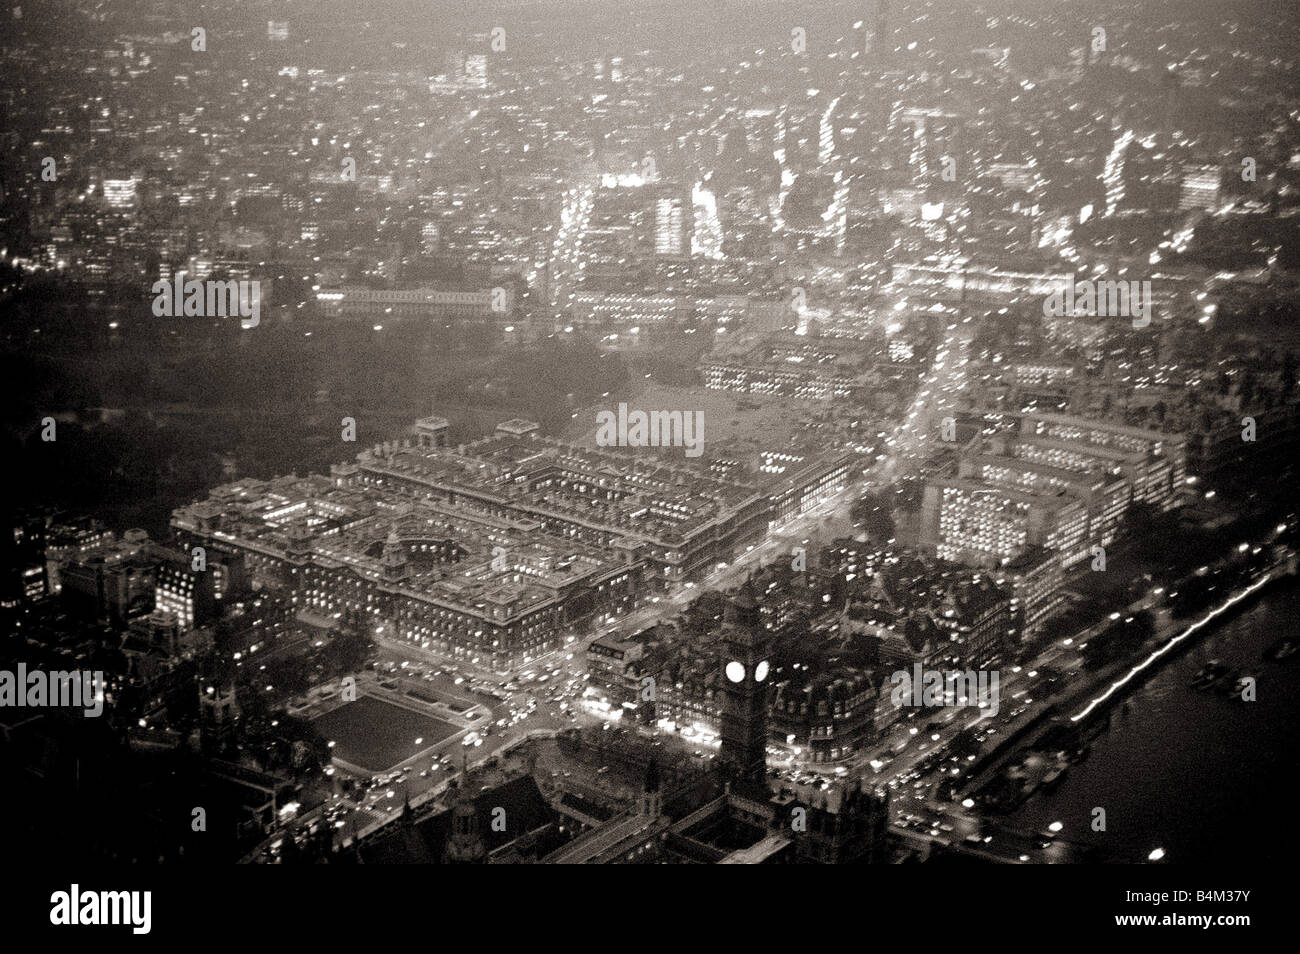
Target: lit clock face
[735,671]
[760,671]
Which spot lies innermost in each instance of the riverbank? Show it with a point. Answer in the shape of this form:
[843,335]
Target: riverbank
[1195,773]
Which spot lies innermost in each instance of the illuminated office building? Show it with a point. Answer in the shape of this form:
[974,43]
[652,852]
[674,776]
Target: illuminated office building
[672,223]
[1200,188]
[120,193]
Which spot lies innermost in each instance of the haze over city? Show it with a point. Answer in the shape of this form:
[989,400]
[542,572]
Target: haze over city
[659,433]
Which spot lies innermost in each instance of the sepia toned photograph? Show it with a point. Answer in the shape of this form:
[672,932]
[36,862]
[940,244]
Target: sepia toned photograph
[823,432]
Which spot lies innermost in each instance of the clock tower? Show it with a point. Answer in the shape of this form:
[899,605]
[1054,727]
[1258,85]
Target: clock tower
[745,665]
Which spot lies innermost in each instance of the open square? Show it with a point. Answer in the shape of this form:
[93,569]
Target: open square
[376,735]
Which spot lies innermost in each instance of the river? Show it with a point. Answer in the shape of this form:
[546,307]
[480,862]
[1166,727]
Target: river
[1197,774]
